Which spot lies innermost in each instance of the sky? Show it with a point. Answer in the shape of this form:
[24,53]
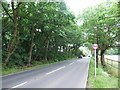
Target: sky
[78,5]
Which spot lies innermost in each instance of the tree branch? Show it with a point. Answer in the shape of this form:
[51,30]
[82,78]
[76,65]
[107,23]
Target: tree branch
[113,37]
[7,12]
[19,4]
[12,3]
[113,17]
[115,46]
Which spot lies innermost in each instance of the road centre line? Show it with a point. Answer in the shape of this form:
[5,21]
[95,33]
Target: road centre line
[71,63]
[55,70]
[19,85]
[78,61]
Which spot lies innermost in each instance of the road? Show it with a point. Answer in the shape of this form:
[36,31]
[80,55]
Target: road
[67,74]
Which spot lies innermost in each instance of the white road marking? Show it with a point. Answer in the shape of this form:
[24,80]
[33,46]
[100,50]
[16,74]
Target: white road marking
[19,85]
[55,70]
[71,63]
[78,61]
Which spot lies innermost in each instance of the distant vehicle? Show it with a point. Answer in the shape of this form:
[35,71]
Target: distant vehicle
[84,55]
[80,56]
[89,56]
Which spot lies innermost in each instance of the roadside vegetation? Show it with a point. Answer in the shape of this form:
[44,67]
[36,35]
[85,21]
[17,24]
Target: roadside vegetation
[37,33]
[101,23]
[38,64]
[105,77]
[112,68]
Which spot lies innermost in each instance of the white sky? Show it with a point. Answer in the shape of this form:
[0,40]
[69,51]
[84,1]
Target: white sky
[78,5]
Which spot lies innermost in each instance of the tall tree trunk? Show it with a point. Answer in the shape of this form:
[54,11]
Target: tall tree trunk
[43,44]
[97,58]
[97,53]
[14,41]
[11,50]
[102,55]
[31,46]
[46,50]
[102,59]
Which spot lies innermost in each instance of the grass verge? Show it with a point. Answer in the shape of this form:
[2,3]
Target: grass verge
[102,80]
[14,70]
[112,67]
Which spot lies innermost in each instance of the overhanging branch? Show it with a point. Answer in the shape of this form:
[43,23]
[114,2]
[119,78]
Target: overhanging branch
[19,4]
[115,46]
[7,12]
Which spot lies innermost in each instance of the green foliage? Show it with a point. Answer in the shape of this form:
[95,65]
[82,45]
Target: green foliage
[112,51]
[100,22]
[46,32]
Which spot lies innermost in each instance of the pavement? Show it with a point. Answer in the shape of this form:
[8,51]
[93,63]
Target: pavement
[67,74]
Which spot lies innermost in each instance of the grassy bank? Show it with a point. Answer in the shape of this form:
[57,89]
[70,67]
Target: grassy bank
[14,70]
[111,68]
[103,79]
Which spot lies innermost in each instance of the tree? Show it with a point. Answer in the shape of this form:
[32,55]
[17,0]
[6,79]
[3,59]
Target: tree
[15,32]
[100,28]
[46,31]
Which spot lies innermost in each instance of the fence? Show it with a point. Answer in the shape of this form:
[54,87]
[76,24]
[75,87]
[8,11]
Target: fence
[112,63]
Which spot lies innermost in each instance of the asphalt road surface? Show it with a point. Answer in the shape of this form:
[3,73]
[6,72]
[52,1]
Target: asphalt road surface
[67,74]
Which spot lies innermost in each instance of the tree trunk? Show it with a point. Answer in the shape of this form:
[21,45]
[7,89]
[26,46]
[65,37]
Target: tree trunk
[31,46]
[43,44]
[11,50]
[46,50]
[97,58]
[102,59]
[14,41]
[102,55]
[97,52]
